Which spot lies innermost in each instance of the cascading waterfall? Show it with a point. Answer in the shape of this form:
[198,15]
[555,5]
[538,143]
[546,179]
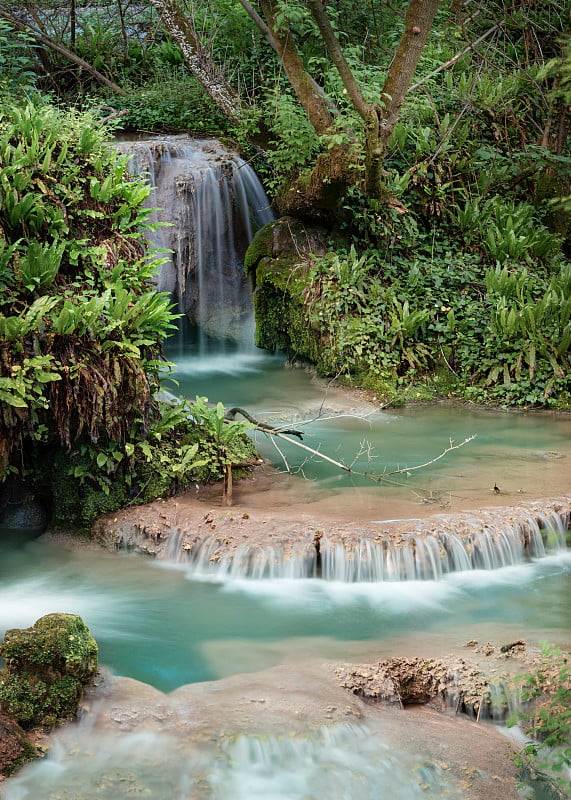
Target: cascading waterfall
[346,761]
[213,203]
[482,544]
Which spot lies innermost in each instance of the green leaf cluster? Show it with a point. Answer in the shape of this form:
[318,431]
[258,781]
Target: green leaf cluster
[546,714]
[80,322]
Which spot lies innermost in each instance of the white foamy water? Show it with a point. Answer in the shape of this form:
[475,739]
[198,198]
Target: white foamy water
[224,364]
[346,762]
[24,601]
[313,594]
[388,598]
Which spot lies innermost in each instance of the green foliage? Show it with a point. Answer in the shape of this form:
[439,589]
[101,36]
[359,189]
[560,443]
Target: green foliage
[230,444]
[546,693]
[389,319]
[81,325]
[16,61]
[371,328]
[295,143]
[171,100]
[186,443]
[505,230]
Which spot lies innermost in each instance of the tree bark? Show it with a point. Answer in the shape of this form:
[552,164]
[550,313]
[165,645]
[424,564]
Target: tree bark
[334,49]
[382,119]
[198,59]
[301,82]
[269,37]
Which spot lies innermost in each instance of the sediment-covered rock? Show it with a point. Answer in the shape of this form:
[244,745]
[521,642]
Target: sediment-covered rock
[464,685]
[249,543]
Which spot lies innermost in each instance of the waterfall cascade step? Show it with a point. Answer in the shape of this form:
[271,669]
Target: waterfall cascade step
[429,551]
[212,202]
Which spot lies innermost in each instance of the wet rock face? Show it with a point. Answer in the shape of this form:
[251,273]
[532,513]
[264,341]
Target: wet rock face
[47,667]
[22,515]
[15,749]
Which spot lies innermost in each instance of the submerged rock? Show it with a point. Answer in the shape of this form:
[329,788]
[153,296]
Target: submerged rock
[47,667]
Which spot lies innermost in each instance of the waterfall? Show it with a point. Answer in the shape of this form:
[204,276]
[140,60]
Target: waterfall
[349,760]
[213,203]
[464,543]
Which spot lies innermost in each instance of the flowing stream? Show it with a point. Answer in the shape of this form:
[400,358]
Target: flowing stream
[176,622]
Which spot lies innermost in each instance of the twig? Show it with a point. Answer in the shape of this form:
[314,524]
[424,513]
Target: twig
[345,468]
[436,458]
[456,57]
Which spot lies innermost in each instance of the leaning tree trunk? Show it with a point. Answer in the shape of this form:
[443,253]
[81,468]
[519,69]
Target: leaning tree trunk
[311,99]
[198,59]
[318,190]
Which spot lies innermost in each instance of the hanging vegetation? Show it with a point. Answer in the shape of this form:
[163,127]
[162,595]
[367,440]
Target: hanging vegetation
[81,325]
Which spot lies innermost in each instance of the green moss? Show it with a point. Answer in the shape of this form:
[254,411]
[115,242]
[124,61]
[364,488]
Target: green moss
[282,319]
[47,666]
[29,754]
[260,247]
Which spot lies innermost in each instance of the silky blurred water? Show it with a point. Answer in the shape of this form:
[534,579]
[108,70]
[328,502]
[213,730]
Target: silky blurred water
[160,624]
[520,452]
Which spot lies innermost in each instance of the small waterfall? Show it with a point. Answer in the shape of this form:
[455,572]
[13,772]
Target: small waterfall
[484,701]
[213,203]
[462,544]
[206,558]
[348,760]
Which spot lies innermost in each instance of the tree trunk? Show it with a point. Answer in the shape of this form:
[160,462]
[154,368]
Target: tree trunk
[198,59]
[382,119]
[334,49]
[301,82]
[227,489]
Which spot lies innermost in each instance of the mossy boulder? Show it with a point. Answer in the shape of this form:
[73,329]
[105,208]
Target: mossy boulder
[277,262]
[47,667]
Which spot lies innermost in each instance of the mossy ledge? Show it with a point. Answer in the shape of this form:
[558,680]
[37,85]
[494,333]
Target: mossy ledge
[277,262]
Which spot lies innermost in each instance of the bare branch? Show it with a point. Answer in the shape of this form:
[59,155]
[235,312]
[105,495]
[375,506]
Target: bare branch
[373,476]
[456,57]
[436,458]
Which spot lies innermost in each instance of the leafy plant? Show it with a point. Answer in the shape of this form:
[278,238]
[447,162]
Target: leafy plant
[546,691]
[17,66]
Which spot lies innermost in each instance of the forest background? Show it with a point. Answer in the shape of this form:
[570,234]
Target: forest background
[427,140]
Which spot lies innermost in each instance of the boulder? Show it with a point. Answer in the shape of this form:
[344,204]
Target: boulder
[47,667]
[23,516]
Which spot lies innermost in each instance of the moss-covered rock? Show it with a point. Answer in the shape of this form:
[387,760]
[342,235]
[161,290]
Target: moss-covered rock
[277,262]
[47,667]
[15,748]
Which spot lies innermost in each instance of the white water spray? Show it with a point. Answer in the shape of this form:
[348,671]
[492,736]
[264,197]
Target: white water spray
[483,543]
